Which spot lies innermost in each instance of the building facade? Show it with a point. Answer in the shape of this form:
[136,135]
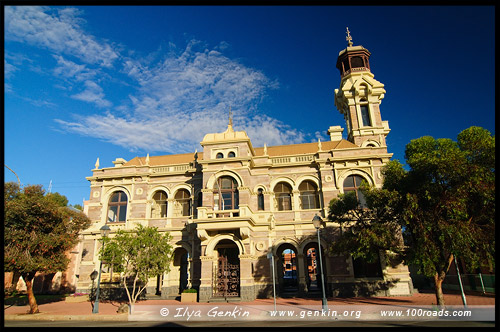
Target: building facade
[232,206]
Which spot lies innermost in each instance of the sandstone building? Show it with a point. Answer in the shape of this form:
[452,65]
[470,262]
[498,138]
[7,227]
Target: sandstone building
[232,204]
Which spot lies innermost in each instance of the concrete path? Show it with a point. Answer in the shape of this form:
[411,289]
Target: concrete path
[62,310]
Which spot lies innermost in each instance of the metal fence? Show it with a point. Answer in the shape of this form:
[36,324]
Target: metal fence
[484,283]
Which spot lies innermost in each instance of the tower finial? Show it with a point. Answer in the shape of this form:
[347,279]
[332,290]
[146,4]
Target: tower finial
[230,117]
[348,38]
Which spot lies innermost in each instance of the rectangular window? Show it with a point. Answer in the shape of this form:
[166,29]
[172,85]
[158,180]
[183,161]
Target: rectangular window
[365,116]
[308,201]
[284,202]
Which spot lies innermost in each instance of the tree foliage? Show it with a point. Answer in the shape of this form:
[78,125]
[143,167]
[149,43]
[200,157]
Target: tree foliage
[444,204]
[140,255]
[38,233]
[57,198]
[365,230]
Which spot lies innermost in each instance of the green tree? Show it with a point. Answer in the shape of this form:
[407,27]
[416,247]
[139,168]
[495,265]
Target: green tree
[57,198]
[77,206]
[444,204]
[365,230]
[38,234]
[140,255]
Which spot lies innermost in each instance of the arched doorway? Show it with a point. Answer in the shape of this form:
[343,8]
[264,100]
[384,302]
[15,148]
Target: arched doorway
[228,269]
[288,274]
[313,270]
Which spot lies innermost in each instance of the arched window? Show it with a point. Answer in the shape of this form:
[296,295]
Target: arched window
[260,199]
[226,194]
[283,193]
[219,155]
[159,206]
[183,200]
[231,154]
[352,184]
[365,116]
[309,196]
[117,207]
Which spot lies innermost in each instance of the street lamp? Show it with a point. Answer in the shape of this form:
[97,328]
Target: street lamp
[104,233]
[317,224]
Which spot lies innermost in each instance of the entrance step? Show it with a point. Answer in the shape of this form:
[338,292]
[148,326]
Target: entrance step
[225,300]
[153,297]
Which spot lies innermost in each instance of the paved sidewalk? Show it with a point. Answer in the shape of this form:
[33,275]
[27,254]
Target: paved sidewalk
[62,310]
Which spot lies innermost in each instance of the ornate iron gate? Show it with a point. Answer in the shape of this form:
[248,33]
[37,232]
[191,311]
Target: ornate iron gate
[228,279]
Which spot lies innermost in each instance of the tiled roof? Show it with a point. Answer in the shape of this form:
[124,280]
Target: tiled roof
[272,151]
[304,148]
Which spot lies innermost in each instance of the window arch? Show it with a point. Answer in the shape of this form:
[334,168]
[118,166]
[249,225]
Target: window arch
[159,206]
[260,199]
[183,201]
[226,195]
[283,193]
[352,183]
[117,207]
[231,154]
[219,155]
[309,196]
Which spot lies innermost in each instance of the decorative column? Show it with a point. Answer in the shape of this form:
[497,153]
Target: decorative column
[207,277]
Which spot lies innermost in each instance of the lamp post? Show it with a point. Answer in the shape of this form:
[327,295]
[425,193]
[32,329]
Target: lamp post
[104,233]
[317,224]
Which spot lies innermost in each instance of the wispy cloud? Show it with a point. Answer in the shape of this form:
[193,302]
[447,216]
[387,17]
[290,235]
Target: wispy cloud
[185,96]
[178,95]
[58,30]
[71,70]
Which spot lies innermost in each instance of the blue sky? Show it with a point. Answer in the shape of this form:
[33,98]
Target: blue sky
[104,82]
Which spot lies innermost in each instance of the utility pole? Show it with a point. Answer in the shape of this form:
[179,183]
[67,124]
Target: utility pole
[18,181]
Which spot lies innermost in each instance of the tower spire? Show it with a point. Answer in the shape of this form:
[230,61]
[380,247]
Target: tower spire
[348,38]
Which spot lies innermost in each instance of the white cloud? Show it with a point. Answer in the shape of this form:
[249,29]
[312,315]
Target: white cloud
[178,98]
[58,30]
[185,96]
[93,93]
[71,70]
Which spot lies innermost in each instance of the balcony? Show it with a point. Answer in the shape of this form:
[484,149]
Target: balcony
[205,213]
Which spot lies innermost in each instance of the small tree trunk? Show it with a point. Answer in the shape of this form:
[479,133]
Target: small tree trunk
[28,279]
[438,282]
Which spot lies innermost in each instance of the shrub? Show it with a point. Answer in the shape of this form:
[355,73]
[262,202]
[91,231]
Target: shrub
[190,290]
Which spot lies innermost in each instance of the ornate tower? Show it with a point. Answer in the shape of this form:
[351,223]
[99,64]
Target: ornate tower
[359,97]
